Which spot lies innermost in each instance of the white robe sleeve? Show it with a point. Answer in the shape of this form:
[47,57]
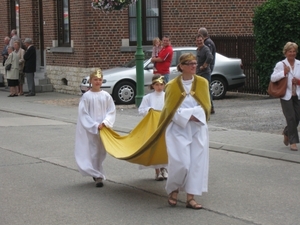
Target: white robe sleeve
[84,117]
[183,115]
[145,106]
[110,116]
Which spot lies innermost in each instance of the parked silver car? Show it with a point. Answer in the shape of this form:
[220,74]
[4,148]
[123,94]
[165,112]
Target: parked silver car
[120,82]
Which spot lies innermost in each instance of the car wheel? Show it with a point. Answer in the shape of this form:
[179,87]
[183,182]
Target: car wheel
[218,87]
[124,93]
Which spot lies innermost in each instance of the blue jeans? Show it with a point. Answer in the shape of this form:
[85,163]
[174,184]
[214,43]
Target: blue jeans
[166,77]
[208,78]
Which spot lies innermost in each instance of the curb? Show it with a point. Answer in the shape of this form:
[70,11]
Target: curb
[213,145]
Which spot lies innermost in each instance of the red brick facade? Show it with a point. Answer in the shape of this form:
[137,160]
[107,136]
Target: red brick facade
[97,36]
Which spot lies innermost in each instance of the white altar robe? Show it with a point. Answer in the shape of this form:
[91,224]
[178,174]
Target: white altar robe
[154,100]
[188,147]
[94,108]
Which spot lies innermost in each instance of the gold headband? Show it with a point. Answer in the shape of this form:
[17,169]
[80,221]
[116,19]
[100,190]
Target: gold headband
[98,74]
[159,80]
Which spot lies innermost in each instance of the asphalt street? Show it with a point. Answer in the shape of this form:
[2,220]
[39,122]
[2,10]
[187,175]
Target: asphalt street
[253,178]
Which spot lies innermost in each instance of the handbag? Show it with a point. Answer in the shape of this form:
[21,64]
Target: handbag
[277,89]
[8,67]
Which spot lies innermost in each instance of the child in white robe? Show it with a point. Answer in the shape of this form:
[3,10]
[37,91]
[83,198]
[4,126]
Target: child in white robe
[155,100]
[96,109]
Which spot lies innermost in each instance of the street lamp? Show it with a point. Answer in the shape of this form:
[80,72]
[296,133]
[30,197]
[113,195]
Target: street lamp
[139,56]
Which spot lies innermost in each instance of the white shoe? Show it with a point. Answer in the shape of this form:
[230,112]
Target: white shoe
[164,173]
[159,177]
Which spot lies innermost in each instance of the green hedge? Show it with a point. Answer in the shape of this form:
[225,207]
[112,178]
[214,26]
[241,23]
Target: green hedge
[275,23]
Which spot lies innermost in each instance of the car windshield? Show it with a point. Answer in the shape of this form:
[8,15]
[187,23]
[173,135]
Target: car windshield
[132,63]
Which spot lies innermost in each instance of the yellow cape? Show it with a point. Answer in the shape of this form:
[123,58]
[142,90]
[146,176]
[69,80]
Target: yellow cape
[145,144]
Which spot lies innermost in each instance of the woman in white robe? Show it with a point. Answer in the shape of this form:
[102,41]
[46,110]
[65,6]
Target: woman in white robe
[187,139]
[96,109]
[155,100]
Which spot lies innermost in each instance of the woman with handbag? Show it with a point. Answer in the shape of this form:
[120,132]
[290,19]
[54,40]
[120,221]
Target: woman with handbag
[12,68]
[20,52]
[290,102]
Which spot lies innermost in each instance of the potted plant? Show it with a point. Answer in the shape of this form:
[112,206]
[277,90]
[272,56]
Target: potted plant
[110,5]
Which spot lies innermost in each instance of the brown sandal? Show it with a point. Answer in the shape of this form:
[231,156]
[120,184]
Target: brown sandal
[171,198]
[194,206]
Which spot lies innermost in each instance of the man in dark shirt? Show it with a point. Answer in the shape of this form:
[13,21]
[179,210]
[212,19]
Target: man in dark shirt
[30,66]
[211,45]
[4,51]
[204,59]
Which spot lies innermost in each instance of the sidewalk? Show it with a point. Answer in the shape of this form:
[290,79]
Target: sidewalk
[63,107]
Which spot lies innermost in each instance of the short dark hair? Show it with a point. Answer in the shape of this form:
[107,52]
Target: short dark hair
[199,35]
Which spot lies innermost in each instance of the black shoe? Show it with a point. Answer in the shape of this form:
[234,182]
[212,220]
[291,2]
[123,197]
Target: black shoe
[98,182]
[212,111]
[29,95]
[11,96]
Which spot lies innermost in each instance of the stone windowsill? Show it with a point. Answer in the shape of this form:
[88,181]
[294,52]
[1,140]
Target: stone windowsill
[61,50]
[122,49]
[133,48]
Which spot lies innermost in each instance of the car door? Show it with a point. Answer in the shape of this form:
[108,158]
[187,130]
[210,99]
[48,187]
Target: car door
[173,68]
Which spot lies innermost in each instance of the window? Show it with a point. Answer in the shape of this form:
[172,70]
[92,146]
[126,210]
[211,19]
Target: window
[151,22]
[14,12]
[63,23]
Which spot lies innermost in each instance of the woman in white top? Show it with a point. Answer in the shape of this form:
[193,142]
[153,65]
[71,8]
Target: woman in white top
[290,102]
[155,100]
[20,52]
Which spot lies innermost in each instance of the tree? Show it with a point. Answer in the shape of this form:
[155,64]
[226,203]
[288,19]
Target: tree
[275,23]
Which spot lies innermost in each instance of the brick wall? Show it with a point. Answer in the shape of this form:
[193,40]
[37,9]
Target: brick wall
[182,18]
[5,20]
[29,20]
[97,36]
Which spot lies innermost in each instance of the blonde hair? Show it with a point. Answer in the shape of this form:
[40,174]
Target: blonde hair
[97,73]
[156,40]
[186,57]
[288,46]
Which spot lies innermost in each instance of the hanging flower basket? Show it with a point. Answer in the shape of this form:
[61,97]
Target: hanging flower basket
[110,5]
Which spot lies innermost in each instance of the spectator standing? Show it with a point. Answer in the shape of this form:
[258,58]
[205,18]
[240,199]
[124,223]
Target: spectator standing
[211,45]
[164,59]
[290,102]
[4,51]
[155,50]
[5,55]
[14,37]
[155,100]
[30,66]
[20,52]
[13,73]
[204,58]
[96,109]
